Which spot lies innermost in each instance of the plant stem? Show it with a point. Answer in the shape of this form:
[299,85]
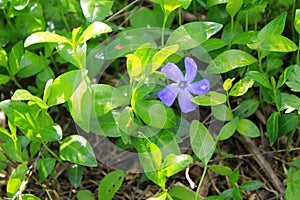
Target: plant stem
[247,21]
[180,16]
[54,155]
[163,31]
[16,82]
[200,183]
[231,32]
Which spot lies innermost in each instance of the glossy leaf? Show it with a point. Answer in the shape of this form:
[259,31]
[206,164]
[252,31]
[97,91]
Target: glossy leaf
[167,142]
[95,10]
[287,122]
[175,163]
[228,129]
[24,95]
[211,3]
[3,58]
[182,193]
[41,37]
[45,166]
[219,169]
[228,84]
[14,58]
[29,197]
[15,180]
[230,60]
[75,175]
[272,127]
[191,35]
[247,128]
[76,149]
[202,142]
[160,56]
[64,86]
[233,7]
[211,98]
[31,64]
[159,196]
[4,79]
[297,21]
[241,87]
[95,29]
[276,26]
[155,114]
[110,184]
[246,108]
[284,76]
[213,44]
[261,78]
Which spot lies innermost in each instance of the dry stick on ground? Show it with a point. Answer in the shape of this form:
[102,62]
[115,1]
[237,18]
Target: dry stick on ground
[252,148]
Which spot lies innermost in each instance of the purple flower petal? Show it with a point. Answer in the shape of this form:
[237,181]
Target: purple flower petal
[190,68]
[185,103]
[172,72]
[200,87]
[168,94]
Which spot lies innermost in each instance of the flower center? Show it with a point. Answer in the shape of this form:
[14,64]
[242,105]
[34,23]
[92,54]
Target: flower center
[182,84]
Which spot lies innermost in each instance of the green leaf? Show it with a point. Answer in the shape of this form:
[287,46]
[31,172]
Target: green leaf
[202,142]
[4,79]
[15,180]
[261,78]
[234,177]
[3,58]
[31,64]
[251,185]
[222,112]
[297,21]
[292,191]
[211,3]
[76,149]
[110,184]
[134,65]
[175,163]
[272,127]
[95,10]
[67,53]
[219,169]
[276,26]
[14,58]
[64,86]
[182,193]
[95,29]
[159,196]
[213,44]
[211,98]
[166,141]
[228,84]
[241,87]
[275,42]
[284,76]
[233,7]
[80,104]
[236,194]
[160,56]
[247,128]
[287,122]
[45,167]
[245,37]
[24,95]
[230,60]
[150,157]
[41,37]
[85,195]
[293,79]
[228,129]
[29,197]
[155,114]
[246,108]
[75,175]
[191,35]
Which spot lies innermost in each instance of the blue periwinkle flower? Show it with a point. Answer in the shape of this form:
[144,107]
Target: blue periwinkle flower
[182,85]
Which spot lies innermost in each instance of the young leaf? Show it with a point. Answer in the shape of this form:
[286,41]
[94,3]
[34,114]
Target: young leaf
[3,58]
[251,185]
[14,58]
[228,84]
[241,87]
[160,56]
[175,163]
[29,197]
[211,98]
[234,177]
[95,29]
[159,196]
[110,184]
[41,37]
[236,194]
[228,129]
[134,65]
[76,149]
[75,175]
[16,179]
[247,128]
[230,60]
[202,142]
[272,127]
[155,114]
[276,26]
[24,95]
[219,169]
[193,34]
[44,167]
[233,7]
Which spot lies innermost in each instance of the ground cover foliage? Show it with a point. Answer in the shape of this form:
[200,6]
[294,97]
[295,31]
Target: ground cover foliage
[153,99]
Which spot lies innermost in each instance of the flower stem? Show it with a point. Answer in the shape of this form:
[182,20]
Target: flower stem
[200,183]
